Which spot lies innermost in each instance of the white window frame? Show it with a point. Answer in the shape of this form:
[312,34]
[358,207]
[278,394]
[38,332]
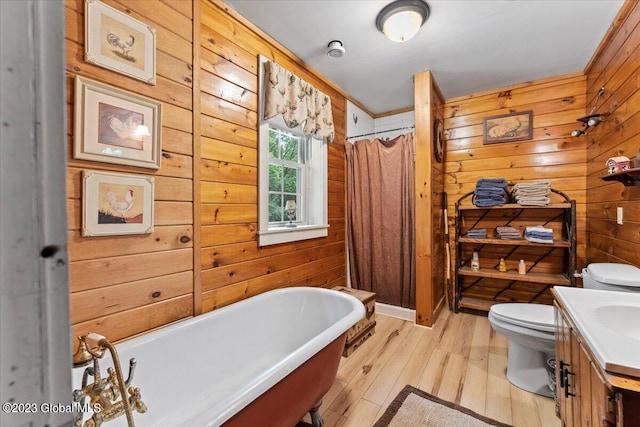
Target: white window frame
[311,218]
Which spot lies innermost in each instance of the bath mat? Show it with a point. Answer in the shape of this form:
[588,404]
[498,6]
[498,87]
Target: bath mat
[416,408]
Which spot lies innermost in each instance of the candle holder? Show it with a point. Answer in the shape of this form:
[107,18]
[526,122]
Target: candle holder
[290,212]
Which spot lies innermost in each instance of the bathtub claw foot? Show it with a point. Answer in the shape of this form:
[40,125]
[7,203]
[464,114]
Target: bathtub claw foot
[316,418]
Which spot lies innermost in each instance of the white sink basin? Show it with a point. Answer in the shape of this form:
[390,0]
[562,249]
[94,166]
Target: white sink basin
[609,321]
[620,319]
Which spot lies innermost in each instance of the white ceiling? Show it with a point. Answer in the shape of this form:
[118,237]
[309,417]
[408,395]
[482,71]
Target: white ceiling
[469,46]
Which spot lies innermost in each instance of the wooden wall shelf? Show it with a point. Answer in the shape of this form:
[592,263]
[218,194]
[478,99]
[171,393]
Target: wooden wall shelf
[548,278]
[512,242]
[628,178]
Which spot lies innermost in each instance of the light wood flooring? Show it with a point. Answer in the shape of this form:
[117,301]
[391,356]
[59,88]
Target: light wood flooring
[460,360]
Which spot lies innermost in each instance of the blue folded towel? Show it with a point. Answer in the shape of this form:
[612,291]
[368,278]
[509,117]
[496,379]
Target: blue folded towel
[477,233]
[489,202]
[539,230]
[490,192]
[491,183]
[538,234]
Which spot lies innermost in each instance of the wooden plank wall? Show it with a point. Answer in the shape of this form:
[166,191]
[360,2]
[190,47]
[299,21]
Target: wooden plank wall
[616,67]
[429,242]
[126,285]
[232,265]
[553,154]
[206,189]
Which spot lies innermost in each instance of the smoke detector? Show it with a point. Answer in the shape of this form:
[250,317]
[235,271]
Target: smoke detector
[336,50]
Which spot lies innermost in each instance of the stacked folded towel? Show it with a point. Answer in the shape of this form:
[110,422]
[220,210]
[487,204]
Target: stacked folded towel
[477,233]
[538,234]
[490,192]
[508,233]
[532,194]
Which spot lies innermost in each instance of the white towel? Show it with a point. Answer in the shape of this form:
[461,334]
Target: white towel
[536,240]
[533,201]
[531,193]
[533,185]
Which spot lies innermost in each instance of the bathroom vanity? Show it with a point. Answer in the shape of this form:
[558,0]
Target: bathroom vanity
[597,357]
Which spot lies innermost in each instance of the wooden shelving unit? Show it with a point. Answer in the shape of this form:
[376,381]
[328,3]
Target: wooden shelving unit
[549,264]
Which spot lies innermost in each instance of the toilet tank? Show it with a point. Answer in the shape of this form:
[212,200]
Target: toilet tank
[611,277]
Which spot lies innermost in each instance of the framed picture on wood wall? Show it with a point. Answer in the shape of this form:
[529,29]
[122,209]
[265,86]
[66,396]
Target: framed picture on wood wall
[115,203]
[118,42]
[508,127]
[116,126]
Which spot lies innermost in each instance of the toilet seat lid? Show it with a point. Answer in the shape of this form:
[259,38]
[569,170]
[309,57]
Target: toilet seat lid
[534,316]
[615,274]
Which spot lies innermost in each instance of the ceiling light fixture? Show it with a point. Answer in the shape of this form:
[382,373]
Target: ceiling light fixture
[402,19]
[336,50]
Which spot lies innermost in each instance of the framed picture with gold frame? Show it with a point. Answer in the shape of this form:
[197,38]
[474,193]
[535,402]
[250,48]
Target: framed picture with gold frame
[508,127]
[116,203]
[118,42]
[116,126]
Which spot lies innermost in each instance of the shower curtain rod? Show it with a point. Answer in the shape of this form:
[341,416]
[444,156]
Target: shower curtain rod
[382,131]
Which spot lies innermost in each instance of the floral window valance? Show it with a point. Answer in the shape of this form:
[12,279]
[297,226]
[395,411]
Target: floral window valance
[297,101]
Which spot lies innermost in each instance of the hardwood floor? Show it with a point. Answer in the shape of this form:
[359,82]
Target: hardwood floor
[460,359]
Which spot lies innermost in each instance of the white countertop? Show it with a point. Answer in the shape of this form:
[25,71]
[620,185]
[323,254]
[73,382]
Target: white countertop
[610,323]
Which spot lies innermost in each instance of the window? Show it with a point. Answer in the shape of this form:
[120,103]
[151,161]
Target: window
[287,171]
[292,168]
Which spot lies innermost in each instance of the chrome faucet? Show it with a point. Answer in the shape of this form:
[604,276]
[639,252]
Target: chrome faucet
[103,393]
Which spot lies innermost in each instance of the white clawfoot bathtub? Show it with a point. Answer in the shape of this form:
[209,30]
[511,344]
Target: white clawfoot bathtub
[268,358]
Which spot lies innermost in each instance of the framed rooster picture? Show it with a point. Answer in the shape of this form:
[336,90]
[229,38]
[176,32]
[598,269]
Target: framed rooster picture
[116,126]
[116,203]
[116,41]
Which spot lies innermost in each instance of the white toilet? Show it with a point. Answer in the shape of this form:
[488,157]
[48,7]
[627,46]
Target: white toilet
[611,277]
[530,327]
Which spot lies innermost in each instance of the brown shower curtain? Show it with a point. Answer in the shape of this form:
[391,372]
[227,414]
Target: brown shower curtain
[380,218]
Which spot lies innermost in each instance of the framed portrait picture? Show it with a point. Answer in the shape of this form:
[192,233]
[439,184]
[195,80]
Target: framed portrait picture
[116,126]
[508,127]
[118,42]
[116,203]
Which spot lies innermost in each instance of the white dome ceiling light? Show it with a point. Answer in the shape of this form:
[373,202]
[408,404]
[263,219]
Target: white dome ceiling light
[336,50]
[401,19]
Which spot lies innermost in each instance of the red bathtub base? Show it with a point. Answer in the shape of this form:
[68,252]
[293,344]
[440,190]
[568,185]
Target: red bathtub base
[287,402]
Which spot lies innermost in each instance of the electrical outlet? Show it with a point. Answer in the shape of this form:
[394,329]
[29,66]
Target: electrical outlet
[619,214]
